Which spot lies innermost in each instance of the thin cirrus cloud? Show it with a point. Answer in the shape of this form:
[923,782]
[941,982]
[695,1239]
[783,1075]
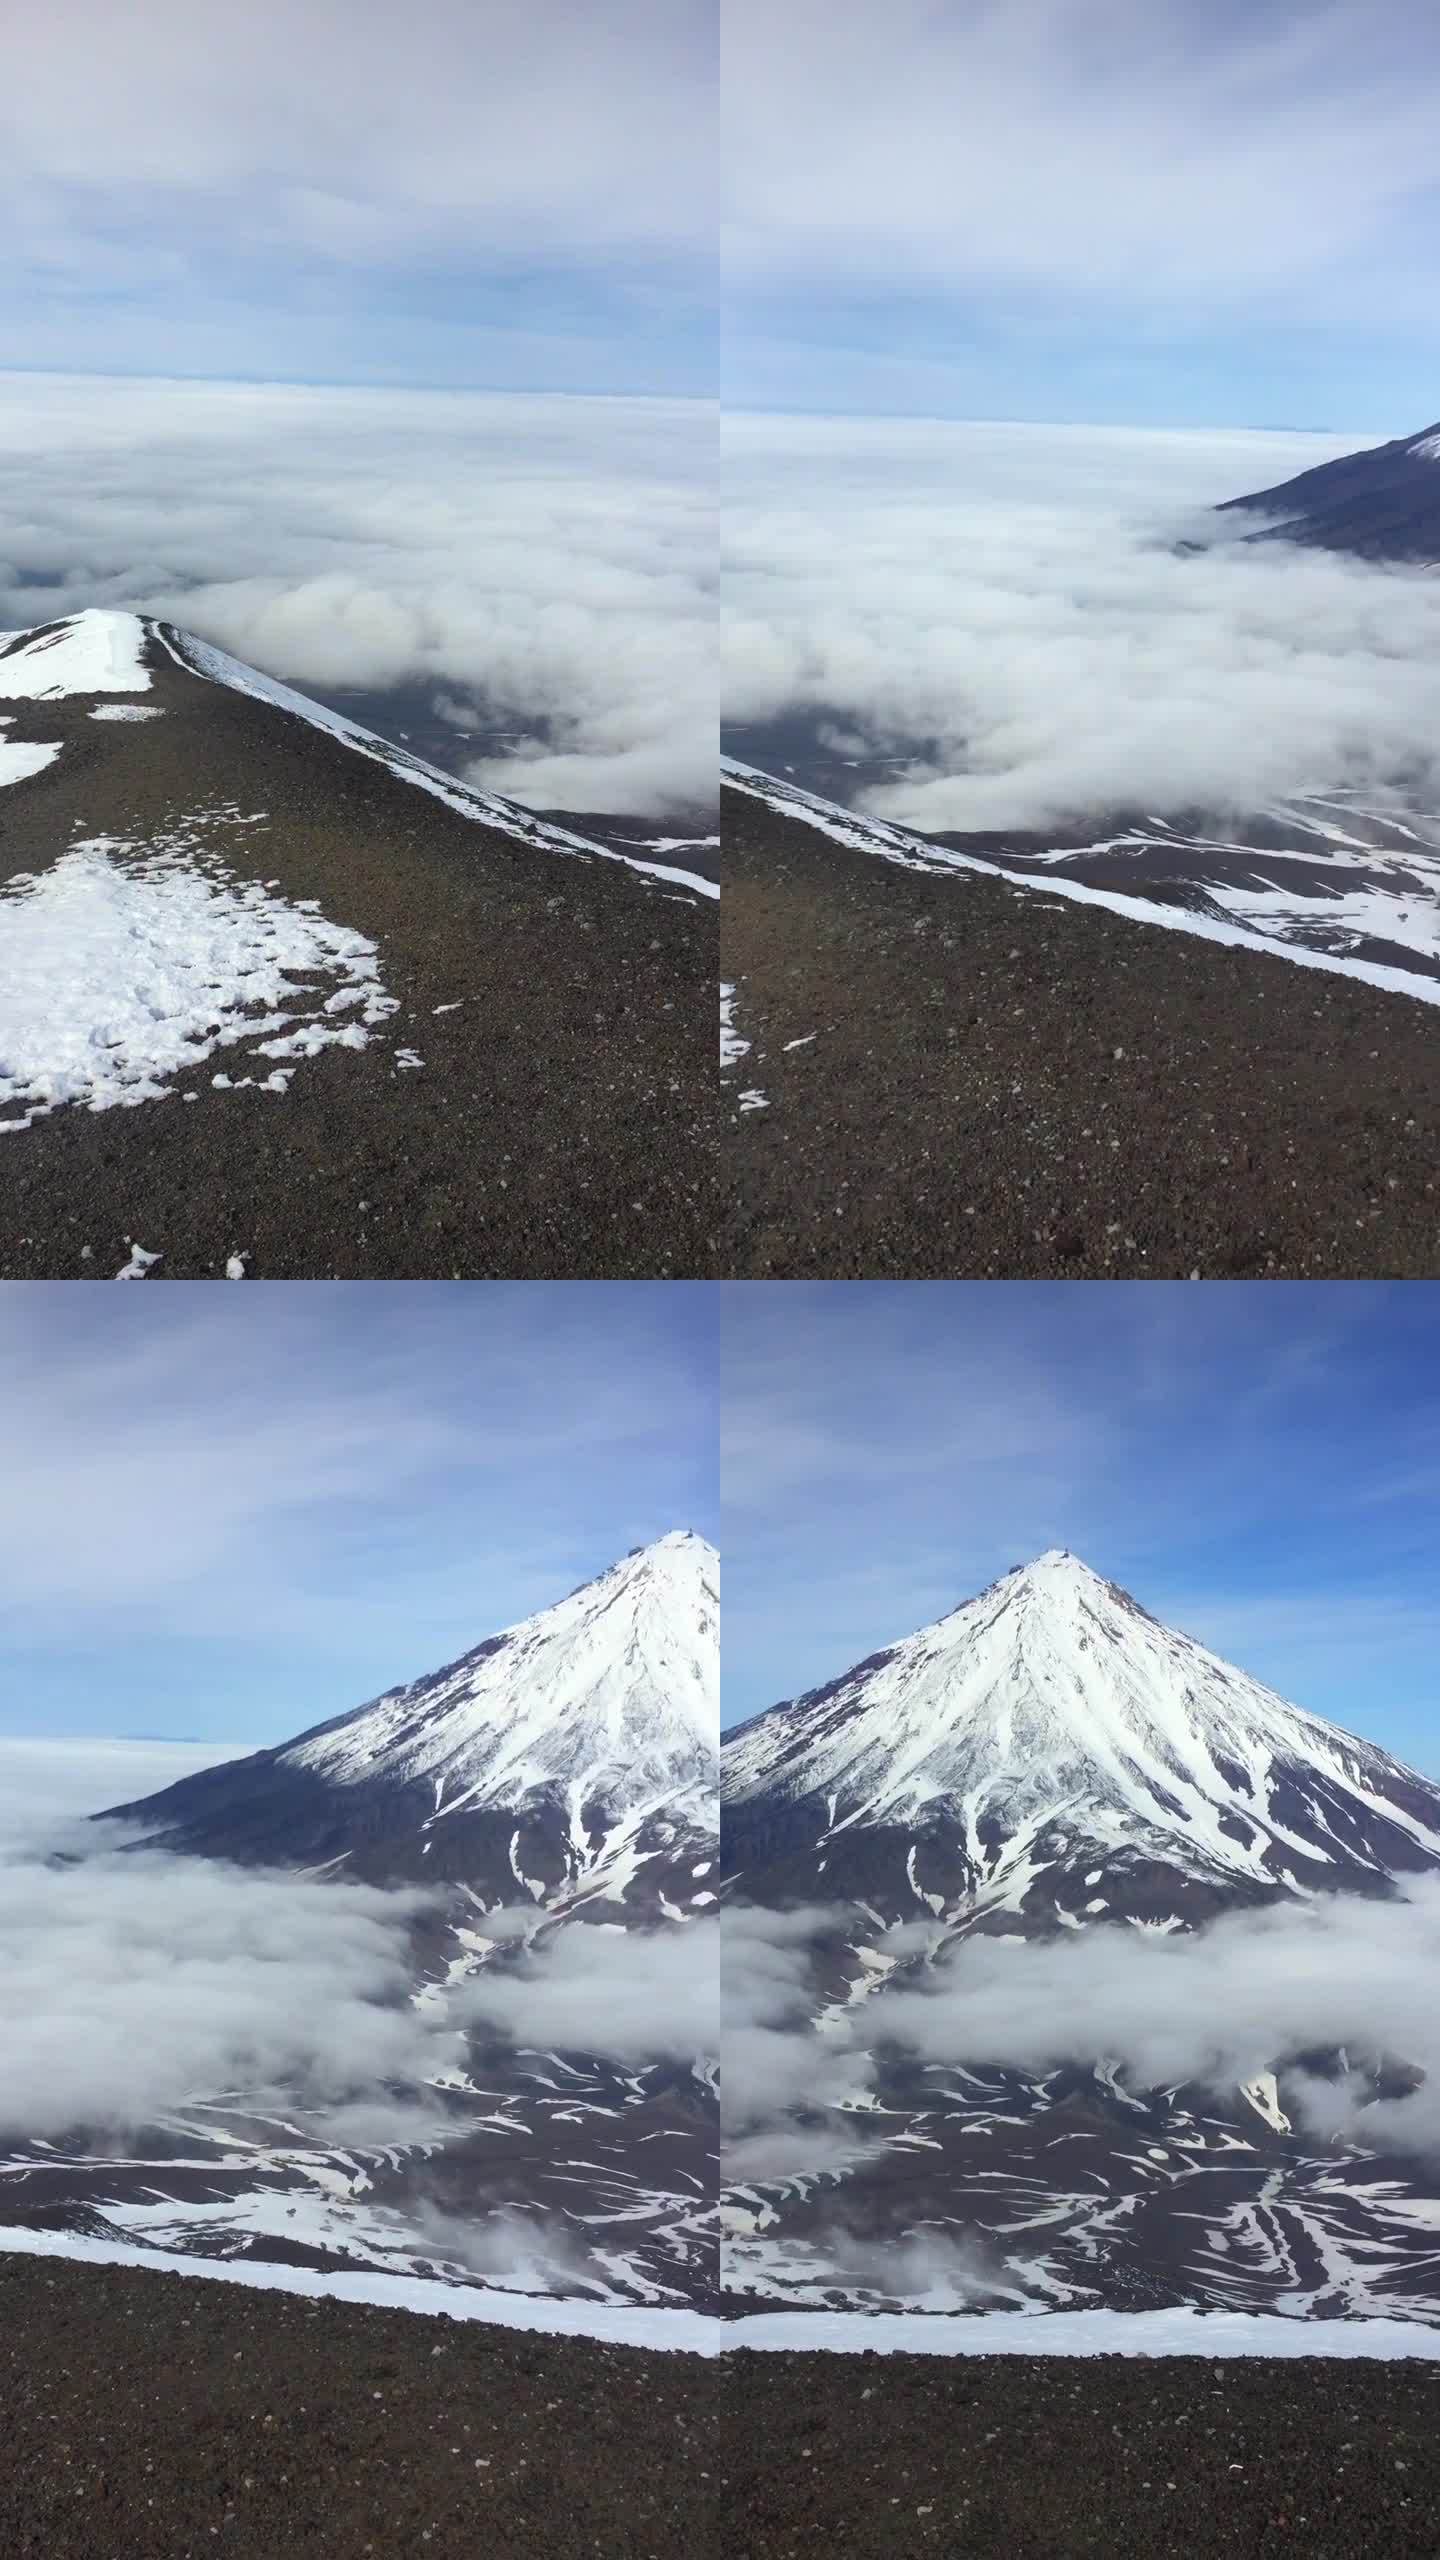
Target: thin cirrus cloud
[1008,608]
[552,560]
[342,193]
[1065,202]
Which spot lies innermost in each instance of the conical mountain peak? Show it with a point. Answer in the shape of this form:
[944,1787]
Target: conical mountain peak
[1053,1702]
[583,1739]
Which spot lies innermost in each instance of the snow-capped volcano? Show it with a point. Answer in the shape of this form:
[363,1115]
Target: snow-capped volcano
[570,1759]
[1379,504]
[557,1787]
[1051,1722]
[1048,1776]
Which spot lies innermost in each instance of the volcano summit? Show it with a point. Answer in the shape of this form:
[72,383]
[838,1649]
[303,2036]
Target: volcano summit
[1081,1937]
[278,996]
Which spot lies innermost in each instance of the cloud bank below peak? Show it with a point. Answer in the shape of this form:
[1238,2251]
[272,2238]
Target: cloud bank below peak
[1005,606]
[550,559]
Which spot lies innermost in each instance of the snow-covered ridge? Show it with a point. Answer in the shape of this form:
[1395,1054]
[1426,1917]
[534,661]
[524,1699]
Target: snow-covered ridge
[104,651]
[611,1697]
[1052,1694]
[199,657]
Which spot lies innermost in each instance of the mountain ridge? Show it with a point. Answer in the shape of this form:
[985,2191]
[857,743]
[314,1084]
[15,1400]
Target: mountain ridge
[280,995]
[1380,503]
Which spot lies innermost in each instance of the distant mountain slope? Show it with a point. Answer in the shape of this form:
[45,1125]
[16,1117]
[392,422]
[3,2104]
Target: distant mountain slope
[1045,1762]
[417,1028]
[1379,504]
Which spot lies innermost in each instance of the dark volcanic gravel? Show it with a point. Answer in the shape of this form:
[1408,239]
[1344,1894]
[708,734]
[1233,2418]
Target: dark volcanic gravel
[563,1124]
[1007,2457]
[1002,1086]
[149,2416]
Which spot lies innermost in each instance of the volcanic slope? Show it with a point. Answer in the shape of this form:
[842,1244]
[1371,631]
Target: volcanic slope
[1379,504]
[557,1783]
[1045,1762]
[938,1064]
[277,997]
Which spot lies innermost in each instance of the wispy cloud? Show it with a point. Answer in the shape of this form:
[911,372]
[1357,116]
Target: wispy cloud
[273,190]
[926,181]
[306,1476]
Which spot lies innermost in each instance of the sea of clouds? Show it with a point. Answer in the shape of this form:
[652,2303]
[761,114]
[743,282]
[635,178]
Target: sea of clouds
[1007,605]
[548,559]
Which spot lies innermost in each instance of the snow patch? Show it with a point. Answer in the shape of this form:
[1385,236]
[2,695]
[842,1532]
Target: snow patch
[19,759]
[91,652]
[126,964]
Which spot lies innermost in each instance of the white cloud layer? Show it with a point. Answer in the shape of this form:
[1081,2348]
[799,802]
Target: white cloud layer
[1259,1990]
[552,558]
[1008,597]
[132,1983]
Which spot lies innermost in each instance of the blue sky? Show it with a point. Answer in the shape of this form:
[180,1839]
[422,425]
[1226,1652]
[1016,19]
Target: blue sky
[1259,1464]
[1160,212]
[232,1512]
[483,198]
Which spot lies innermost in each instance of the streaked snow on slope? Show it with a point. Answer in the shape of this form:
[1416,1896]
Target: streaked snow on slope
[1052,1693]
[91,652]
[127,964]
[198,657]
[611,1696]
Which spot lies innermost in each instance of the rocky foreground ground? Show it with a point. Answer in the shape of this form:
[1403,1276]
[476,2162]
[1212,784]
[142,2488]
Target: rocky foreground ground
[149,2416]
[963,1080]
[157,2417]
[561,1123]
[1010,2457]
